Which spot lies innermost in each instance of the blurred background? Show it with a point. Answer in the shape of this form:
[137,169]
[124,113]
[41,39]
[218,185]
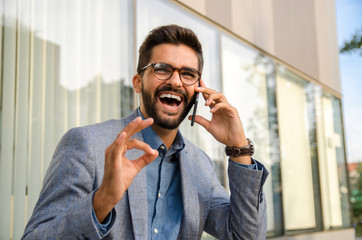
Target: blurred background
[349,25]
[70,63]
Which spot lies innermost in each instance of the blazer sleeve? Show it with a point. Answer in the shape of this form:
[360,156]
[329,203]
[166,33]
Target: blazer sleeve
[243,216]
[64,208]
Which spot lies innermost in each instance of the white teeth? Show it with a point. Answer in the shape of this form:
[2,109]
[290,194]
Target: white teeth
[178,98]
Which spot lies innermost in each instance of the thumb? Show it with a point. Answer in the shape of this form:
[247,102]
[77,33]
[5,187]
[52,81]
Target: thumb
[201,121]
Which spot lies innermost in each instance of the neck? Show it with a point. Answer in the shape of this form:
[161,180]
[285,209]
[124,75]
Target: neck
[167,136]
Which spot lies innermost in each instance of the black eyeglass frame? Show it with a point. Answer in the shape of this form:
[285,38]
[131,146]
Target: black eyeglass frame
[173,70]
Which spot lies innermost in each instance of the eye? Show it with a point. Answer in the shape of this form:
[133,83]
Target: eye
[162,69]
[189,73]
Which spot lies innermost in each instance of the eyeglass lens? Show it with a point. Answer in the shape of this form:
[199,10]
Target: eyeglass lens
[164,71]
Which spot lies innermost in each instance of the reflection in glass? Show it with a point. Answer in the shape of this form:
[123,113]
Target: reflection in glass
[334,187]
[297,140]
[68,63]
[246,75]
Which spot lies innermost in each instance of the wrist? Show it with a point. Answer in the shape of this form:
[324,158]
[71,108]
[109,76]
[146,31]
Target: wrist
[246,160]
[237,139]
[101,205]
[241,154]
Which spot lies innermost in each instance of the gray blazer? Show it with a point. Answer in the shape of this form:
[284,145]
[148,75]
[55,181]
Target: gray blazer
[64,208]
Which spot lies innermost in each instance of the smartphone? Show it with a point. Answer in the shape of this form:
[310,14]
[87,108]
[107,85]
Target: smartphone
[195,108]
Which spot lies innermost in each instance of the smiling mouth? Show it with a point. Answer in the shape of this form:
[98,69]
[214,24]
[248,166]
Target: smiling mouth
[170,99]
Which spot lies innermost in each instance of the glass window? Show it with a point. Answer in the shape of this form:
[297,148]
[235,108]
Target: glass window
[80,60]
[301,200]
[8,74]
[246,74]
[68,63]
[331,155]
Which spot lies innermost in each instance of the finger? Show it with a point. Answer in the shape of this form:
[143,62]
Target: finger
[134,143]
[203,89]
[207,92]
[145,159]
[137,125]
[202,83]
[149,155]
[116,149]
[202,121]
[222,105]
[214,98]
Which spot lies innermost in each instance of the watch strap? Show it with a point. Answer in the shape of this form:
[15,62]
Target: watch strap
[240,151]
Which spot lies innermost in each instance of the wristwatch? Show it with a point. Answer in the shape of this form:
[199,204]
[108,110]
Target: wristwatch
[240,151]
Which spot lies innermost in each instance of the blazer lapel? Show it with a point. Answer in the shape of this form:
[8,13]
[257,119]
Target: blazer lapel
[190,220]
[137,192]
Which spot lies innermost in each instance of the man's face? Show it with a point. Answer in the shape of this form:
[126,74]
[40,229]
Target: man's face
[168,102]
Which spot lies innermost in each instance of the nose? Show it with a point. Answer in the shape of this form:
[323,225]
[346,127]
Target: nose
[175,79]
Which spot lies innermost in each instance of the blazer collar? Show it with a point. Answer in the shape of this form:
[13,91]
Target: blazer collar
[190,220]
[137,192]
[137,195]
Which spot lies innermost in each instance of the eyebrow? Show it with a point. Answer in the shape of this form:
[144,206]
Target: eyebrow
[195,68]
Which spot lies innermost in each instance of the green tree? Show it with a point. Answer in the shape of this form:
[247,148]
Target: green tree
[356,199]
[354,45]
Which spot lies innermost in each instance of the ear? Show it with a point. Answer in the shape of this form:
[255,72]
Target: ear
[137,84]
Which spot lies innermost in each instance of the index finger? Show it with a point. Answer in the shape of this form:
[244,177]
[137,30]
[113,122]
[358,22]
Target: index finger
[202,83]
[136,125]
[204,90]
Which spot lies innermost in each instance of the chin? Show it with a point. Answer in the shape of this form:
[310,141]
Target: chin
[166,122]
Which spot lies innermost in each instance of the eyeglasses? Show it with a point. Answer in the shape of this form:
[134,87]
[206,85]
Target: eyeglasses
[164,71]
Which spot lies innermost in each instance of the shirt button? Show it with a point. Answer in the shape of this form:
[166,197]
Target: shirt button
[162,147]
[159,194]
[155,230]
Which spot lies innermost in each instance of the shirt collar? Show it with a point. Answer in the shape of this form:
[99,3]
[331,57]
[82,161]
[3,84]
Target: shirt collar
[152,139]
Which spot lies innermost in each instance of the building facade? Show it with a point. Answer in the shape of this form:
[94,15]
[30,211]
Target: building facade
[70,63]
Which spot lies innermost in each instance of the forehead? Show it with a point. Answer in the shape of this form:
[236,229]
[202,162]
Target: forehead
[175,55]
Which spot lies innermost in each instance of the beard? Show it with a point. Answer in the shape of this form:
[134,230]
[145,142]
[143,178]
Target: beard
[153,112]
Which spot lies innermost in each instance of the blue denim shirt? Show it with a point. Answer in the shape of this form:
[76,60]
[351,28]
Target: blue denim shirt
[165,207]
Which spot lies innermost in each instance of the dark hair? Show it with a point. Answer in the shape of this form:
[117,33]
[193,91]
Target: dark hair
[173,34]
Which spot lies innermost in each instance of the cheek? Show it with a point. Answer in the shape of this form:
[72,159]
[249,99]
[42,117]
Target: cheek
[150,89]
[145,87]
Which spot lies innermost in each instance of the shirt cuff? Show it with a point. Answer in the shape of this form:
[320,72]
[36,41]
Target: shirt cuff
[104,226]
[253,164]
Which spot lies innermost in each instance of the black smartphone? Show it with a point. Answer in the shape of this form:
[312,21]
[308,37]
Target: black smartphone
[195,108]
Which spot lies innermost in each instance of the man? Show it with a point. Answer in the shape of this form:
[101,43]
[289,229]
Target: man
[138,178]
